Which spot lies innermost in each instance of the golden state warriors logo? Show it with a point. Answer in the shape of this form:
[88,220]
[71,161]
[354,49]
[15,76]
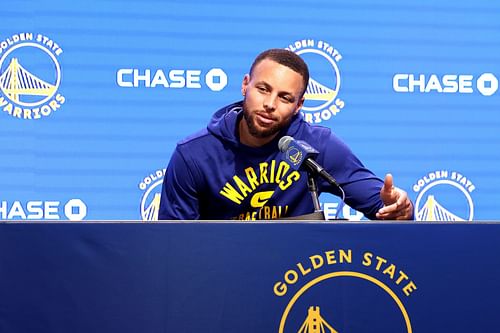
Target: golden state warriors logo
[30,76]
[150,201]
[321,96]
[344,291]
[294,155]
[444,196]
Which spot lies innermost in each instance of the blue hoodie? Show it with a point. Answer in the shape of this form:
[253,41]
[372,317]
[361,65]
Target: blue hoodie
[212,176]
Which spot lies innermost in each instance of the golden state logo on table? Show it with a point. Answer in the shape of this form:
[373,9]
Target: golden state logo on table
[30,76]
[321,96]
[343,290]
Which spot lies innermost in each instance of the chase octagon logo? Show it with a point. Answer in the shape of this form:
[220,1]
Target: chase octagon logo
[30,76]
[343,290]
[321,96]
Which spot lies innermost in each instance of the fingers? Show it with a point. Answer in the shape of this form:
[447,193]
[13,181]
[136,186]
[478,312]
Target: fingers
[406,213]
[388,182]
[388,211]
[397,205]
[402,209]
[387,192]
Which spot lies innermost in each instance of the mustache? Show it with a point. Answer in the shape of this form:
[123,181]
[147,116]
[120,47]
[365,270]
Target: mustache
[265,114]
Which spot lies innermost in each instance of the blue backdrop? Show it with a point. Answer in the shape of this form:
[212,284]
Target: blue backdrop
[94,95]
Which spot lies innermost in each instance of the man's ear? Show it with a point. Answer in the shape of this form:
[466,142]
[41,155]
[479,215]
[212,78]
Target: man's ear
[244,84]
[299,105]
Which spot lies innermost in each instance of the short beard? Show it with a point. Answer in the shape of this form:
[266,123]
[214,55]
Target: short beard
[254,129]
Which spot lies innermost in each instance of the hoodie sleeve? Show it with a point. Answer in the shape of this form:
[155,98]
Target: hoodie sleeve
[179,195]
[361,186]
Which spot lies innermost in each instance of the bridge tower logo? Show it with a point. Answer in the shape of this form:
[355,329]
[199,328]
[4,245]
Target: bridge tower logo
[150,201]
[30,76]
[444,196]
[350,283]
[314,323]
[318,92]
[321,95]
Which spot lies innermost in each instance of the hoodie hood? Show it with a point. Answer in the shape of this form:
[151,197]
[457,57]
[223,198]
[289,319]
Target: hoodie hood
[224,125]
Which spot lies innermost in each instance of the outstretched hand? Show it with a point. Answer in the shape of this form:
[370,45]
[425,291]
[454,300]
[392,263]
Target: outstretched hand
[397,205]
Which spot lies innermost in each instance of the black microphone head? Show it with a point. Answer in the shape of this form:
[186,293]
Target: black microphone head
[284,143]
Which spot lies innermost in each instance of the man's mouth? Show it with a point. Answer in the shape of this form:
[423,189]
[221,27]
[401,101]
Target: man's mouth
[265,118]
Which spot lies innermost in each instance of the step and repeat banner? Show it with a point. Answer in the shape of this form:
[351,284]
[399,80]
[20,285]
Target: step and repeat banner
[95,95]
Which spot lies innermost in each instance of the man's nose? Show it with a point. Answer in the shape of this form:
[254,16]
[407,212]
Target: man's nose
[270,102]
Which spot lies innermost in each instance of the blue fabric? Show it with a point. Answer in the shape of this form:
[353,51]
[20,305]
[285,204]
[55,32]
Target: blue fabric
[212,175]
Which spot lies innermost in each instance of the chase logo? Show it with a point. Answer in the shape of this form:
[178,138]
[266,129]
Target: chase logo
[150,201]
[72,210]
[321,96]
[215,79]
[344,291]
[444,196]
[30,76]
[486,83]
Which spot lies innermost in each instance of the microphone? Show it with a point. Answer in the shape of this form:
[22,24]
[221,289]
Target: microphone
[300,155]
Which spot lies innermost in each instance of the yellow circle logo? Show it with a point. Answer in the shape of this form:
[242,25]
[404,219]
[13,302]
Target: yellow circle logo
[314,321]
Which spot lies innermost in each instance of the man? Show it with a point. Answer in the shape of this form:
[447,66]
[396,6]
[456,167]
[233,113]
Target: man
[233,169]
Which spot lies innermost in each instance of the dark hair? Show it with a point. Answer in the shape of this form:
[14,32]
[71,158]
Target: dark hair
[286,58]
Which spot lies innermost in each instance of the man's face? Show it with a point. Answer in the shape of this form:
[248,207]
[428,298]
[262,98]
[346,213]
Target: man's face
[272,98]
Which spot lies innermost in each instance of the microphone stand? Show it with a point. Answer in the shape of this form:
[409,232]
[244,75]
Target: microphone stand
[318,214]
[313,189]
[286,145]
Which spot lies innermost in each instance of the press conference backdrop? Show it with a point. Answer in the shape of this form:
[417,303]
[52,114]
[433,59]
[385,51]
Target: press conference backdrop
[95,95]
